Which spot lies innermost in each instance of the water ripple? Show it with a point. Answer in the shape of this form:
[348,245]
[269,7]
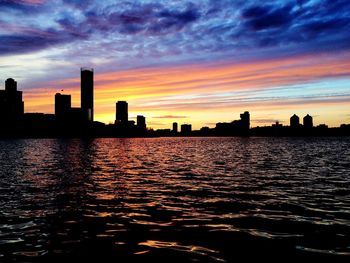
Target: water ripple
[174,199]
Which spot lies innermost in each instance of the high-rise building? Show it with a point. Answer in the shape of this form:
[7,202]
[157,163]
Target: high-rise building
[186,128]
[11,103]
[245,120]
[141,123]
[87,93]
[63,106]
[121,112]
[294,121]
[175,127]
[308,122]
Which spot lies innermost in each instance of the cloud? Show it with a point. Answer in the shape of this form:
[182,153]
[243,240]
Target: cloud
[264,17]
[72,21]
[311,27]
[154,123]
[171,117]
[35,40]
[24,6]
[152,19]
[20,3]
[325,25]
[206,28]
[25,43]
[266,121]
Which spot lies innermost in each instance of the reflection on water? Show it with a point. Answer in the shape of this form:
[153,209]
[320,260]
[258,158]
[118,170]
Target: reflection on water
[174,199]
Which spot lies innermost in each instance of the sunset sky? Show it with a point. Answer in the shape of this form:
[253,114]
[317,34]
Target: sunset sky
[198,62]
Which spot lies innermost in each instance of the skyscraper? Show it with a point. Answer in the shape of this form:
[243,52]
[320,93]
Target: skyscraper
[175,127]
[141,123]
[87,93]
[121,112]
[62,106]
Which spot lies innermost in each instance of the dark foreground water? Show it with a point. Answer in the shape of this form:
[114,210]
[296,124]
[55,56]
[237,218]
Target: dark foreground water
[174,199]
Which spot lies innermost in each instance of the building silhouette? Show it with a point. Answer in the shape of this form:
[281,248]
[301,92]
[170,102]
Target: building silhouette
[121,112]
[39,124]
[10,85]
[277,124]
[245,121]
[308,122]
[294,121]
[87,93]
[63,105]
[11,103]
[141,123]
[71,121]
[186,128]
[236,127]
[76,116]
[175,127]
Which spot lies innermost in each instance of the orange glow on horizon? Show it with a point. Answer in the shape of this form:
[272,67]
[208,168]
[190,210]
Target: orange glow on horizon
[191,91]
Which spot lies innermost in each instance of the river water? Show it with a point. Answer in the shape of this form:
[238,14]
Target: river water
[174,199]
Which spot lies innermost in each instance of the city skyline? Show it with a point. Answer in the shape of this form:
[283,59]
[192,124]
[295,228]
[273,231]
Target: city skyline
[63,106]
[183,62]
[80,120]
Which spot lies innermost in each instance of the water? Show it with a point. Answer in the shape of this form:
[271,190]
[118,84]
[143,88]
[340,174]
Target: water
[174,199]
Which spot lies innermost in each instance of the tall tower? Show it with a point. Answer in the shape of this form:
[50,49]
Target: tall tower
[121,112]
[87,93]
[175,127]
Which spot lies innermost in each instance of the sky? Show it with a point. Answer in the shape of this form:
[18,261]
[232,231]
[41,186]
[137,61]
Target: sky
[198,62]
